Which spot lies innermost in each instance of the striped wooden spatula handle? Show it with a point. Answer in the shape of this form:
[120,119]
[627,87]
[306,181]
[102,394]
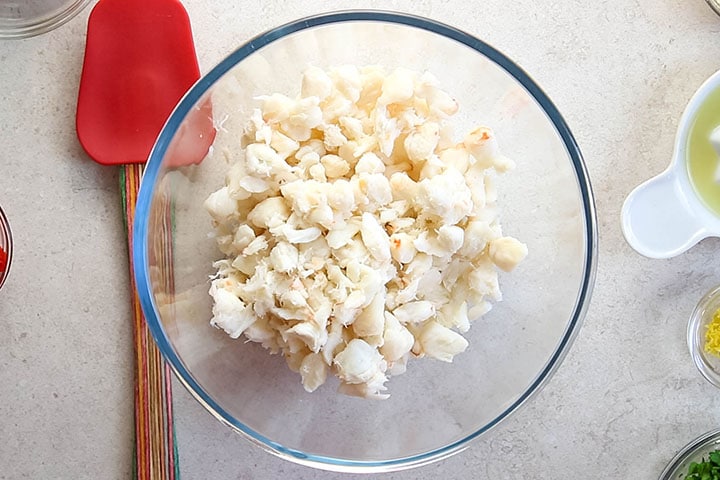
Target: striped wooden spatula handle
[155,448]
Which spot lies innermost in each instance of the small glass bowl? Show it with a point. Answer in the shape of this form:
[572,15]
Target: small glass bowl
[22,19]
[695,451]
[6,244]
[709,365]
[715,5]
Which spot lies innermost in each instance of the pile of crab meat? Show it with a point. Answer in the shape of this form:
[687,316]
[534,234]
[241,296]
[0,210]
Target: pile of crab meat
[356,233]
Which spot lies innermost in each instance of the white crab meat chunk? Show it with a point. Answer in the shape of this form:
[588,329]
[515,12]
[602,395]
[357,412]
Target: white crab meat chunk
[476,237]
[306,115]
[352,127]
[371,390]
[507,252]
[282,144]
[421,143]
[369,163]
[370,322]
[271,212]
[294,354]
[439,103]
[440,342]
[483,281]
[312,335]
[398,87]
[398,367]
[262,160]
[284,257]
[347,81]
[276,107]
[402,247]
[335,166]
[316,83]
[334,341]
[445,242]
[230,313]
[455,157]
[414,312]
[261,332]
[445,196]
[359,362]
[257,125]
[313,371]
[258,244]
[341,199]
[341,236]
[455,314]
[386,130]
[296,235]
[242,237]
[375,237]
[333,136]
[220,205]
[482,145]
[398,340]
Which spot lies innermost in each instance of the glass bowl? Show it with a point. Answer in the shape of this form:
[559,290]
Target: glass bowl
[6,247]
[695,451]
[715,5]
[27,18]
[707,364]
[435,408]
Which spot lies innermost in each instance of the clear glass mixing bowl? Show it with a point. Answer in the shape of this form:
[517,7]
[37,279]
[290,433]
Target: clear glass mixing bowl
[27,18]
[696,451]
[435,408]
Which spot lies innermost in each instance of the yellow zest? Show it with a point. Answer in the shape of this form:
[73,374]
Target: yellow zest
[712,335]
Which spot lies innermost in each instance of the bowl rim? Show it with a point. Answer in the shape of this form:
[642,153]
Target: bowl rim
[702,441]
[140,254]
[41,24]
[714,5]
[6,235]
[695,338]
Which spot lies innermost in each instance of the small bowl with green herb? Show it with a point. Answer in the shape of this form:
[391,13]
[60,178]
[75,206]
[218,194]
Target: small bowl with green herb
[698,460]
[703,336]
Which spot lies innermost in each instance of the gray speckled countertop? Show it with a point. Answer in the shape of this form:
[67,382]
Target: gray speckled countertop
[624,401]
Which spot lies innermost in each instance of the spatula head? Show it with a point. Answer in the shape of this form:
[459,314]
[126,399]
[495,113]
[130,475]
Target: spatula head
[139,61]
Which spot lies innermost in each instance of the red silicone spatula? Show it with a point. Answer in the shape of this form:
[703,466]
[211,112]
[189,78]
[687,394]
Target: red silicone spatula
[139,61]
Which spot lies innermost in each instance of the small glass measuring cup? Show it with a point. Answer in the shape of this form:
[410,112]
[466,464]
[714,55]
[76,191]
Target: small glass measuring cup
[664,216]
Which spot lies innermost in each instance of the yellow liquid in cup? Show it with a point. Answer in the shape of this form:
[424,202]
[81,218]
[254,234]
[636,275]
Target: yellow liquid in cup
[702,159]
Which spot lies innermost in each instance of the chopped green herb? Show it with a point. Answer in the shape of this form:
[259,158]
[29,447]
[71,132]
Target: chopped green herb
[706,469]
